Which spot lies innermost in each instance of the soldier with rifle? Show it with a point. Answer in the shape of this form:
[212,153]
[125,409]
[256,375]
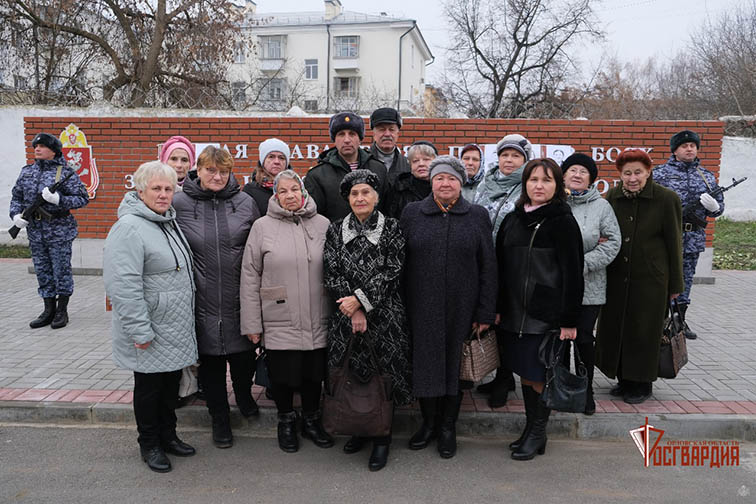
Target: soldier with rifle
[42,199]
[700,196]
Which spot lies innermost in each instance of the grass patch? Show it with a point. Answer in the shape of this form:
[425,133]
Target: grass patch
[14,251]
[735,245]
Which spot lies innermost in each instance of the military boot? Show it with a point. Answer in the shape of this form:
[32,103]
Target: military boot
[61,313]
[46,316]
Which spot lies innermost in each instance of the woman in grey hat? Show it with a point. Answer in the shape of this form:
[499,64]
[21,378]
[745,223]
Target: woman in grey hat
[363,261]
[450,280]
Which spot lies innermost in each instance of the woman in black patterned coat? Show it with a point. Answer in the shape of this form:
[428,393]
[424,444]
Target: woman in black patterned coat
[364,258]
[451,291]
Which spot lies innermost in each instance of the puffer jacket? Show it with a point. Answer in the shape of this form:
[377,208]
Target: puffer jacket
[282,292]
[405,189]
[147,270]
[596,219]
[216,225]
[498,193]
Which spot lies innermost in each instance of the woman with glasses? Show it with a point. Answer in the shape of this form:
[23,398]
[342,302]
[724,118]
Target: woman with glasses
[215,216]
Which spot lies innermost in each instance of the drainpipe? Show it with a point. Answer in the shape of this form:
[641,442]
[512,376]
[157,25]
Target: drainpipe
[399,89]
[328,70]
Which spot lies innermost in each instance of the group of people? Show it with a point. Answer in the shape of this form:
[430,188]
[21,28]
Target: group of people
[391,262]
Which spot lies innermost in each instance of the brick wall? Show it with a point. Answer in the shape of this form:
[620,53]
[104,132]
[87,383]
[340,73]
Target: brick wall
[120,144]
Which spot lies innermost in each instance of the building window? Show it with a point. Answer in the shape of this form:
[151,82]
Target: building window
[346,47]
[311,69]
[311,105]
[274,90]
[20,82]
[239,55]
[346,87]
[239,92]
[273,47]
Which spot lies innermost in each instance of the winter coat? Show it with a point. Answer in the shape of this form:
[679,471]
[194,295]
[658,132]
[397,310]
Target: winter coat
[498,193]
[640,280]
[282,292]
[323,180]
[399,165]
[596,219]
[216,225]
[260,194]
[147,271]
[470,188]
[405,189]
[540,260]
[366,260]
[32,180]
[450,282]
[687,180]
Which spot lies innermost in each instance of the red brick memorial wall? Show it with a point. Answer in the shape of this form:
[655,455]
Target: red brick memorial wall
[109,149]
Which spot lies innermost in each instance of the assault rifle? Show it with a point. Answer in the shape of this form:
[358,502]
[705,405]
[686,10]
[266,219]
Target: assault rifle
[689,211]
[35,207]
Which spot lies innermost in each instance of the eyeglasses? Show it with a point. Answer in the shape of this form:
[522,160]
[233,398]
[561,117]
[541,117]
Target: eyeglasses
[213,171]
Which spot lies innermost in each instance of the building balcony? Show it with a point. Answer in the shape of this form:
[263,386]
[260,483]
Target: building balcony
[346,63]
[271,65]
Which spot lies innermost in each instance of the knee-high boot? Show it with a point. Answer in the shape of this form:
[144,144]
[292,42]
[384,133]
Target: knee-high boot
[529,396]
[447,434]
[535,440]
[588,356]
[429,408]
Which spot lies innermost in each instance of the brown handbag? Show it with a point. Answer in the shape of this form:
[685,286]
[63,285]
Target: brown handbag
[352,407]
[480,356]
[673,354]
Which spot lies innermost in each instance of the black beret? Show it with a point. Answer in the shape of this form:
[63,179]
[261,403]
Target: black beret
[682,137]
[427,143]
[48,141]
[361,176]
[346,120]
[583,160]
[385,115]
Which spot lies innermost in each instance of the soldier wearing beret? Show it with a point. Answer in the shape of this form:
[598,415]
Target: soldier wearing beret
[692,182]
[52,229]
[323,180]
[386,124]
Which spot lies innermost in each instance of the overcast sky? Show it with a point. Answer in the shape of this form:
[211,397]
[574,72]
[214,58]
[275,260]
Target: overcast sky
[635,29]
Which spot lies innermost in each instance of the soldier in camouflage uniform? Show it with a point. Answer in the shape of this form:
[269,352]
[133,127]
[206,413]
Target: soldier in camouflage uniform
[52,229]
[692,182]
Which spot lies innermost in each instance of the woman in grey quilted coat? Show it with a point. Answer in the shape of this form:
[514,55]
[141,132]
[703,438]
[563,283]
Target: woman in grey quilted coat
[147,270]
[601,243]
[216,216]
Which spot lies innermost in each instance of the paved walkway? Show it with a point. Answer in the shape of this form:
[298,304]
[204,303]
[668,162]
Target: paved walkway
[73,364]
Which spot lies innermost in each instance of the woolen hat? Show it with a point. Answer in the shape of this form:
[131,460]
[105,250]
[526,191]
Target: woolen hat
[682,137]
[516,142]
[361,176]
[50,142]
[178,142]
[346,120]
[450,165]
[274,145]
[385,115]
[582,160]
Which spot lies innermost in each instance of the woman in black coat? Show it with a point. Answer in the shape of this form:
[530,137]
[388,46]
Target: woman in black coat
[539,250]
[450,279]
[413,185]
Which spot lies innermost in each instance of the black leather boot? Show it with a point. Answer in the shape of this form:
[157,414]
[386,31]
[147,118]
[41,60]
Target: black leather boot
[378,457]
[588,356]
[447,434]
[535,441]
[222,436]
[177,447]
[689,334]
[287,432]
[619,389]
[431,422]
[354,444]
[313,429]
[46,316]
[638,393]
[500,391]
[502,375]
[61,313]
[529,397]
[156,459]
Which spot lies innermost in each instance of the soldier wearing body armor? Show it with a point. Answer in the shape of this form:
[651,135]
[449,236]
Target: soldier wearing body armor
[52,228]
[692,182]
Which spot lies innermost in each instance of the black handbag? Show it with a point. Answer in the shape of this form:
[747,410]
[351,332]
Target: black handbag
[261,369]
[673,354]
[563,391]
[353,407]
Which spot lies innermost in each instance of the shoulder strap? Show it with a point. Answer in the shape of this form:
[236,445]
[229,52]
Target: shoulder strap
[702,177]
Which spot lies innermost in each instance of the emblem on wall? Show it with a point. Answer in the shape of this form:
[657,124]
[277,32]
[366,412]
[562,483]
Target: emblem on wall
[78,154]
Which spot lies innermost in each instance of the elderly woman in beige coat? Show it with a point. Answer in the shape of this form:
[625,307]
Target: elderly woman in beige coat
[284,304]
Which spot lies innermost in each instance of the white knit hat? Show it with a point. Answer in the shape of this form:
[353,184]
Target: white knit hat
[274,145]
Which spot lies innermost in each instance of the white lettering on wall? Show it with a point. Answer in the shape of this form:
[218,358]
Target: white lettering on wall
[241,151]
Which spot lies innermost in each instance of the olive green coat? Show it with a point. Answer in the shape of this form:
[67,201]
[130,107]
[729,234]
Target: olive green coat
[640,280]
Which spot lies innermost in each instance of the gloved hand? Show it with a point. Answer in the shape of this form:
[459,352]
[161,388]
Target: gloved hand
[19,222]
[53,197]
[708,202]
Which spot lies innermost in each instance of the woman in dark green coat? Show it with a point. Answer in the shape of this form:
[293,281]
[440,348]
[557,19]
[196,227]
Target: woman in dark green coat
[645,275]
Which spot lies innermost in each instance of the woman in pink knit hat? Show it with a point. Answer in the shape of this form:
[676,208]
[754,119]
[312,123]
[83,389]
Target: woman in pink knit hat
[178,153]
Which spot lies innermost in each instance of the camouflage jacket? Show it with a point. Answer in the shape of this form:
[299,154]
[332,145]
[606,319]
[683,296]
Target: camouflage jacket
[687,180]
[73,194]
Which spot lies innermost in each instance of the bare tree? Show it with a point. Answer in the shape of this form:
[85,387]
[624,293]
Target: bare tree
[507,55]
[143,45]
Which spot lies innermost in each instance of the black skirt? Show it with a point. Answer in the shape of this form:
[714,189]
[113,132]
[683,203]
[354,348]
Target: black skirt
[520,354]
[292,367]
